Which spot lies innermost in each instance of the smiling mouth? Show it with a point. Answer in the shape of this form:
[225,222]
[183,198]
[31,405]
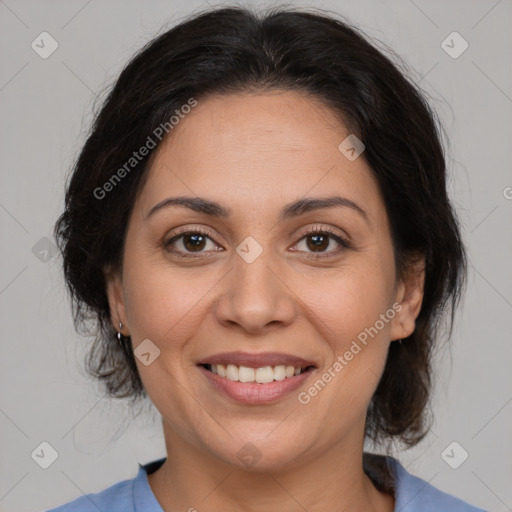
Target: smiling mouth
[262,375]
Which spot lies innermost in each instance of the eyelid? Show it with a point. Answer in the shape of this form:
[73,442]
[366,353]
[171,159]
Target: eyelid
[339,238]
[319,228]
[183,230]
[190,229]
[303,232]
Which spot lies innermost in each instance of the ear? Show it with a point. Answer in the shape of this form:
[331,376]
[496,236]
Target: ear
[115,294]
[409,294]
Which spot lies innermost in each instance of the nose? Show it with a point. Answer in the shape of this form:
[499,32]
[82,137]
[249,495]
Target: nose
[255,297]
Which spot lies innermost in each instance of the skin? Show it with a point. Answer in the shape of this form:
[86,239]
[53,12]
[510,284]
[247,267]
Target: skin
[255,153]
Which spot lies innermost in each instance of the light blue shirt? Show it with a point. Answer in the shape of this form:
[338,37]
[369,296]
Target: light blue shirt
[412,494]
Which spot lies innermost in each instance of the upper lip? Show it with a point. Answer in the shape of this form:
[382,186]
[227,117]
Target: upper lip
[257,360]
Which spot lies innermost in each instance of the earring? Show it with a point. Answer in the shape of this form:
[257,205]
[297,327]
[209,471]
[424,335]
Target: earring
[119,335]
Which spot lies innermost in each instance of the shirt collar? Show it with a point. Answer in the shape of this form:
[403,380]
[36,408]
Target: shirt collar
[143,498]
[387,474]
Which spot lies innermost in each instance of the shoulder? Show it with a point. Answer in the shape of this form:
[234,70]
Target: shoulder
[118,497]
[413,494]
[133,495]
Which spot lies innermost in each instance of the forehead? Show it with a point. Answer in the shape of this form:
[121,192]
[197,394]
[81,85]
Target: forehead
[256,150]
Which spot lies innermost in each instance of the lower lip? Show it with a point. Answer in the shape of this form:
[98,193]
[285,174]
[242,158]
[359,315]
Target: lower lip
[253,392]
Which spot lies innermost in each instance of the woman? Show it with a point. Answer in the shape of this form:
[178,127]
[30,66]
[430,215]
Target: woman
[259,223]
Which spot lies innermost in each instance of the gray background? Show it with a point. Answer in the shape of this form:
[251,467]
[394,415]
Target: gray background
[45,108]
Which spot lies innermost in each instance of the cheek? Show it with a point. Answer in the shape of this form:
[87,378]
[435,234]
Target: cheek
[350,302]
[353,314]
[164,303]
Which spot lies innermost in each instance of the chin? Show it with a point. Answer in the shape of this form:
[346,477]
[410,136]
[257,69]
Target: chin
[260,455]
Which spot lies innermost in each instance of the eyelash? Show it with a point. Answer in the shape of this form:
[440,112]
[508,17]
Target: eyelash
[315,231]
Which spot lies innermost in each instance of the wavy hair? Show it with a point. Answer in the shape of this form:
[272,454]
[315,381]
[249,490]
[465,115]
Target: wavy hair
[233,50]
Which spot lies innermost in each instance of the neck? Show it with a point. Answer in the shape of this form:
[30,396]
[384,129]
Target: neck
[193,479]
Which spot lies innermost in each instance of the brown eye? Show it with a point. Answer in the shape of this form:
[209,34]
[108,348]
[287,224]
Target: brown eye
[189,242]
[194,242]
[319,240]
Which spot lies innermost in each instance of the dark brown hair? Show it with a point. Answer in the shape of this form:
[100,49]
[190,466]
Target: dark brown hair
[231,50]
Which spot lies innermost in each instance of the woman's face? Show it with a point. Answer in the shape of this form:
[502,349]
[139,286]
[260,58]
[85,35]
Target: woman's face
[258,281]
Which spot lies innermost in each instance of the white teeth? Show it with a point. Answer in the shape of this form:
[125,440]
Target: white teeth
[231,372]
[289,372]
[264,375]
[245,374]
[279,372]
[261,375]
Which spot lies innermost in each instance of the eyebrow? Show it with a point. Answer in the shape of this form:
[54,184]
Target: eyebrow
[299,207]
